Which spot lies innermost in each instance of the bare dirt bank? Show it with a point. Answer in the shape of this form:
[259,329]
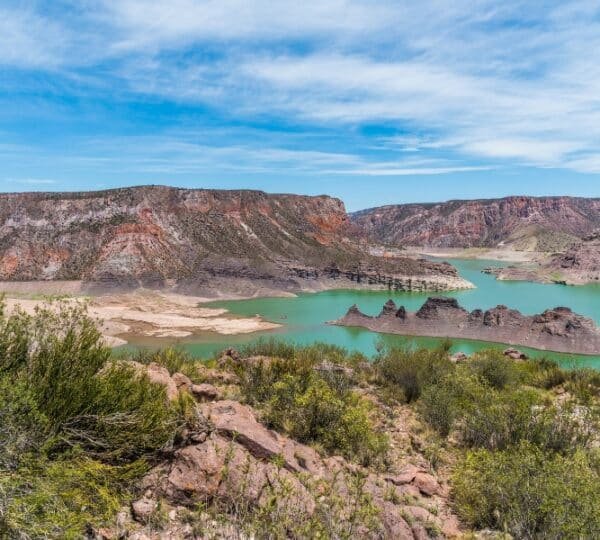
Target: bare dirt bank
[141,313]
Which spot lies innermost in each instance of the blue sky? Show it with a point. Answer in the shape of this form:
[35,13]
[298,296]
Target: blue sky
[376,102]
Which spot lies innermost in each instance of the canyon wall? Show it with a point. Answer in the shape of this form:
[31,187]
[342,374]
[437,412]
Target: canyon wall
[192,239]
[543,224]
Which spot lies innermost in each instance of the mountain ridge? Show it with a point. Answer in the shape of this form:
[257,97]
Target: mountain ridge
[481,222]
[196,239]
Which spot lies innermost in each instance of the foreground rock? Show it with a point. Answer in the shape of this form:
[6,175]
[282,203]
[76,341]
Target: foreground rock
[242,464]
[557,329]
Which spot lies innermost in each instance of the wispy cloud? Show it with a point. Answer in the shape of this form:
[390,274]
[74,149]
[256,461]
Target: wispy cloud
[471,85]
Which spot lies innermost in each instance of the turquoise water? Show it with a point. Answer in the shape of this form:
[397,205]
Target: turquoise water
[304,317]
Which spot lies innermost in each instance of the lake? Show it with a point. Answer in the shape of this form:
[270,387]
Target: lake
[304,317]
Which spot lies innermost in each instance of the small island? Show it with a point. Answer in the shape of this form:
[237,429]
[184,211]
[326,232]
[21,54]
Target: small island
[558,329]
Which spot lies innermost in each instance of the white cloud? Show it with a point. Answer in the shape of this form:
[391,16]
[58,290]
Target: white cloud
[28,40]
[473,79]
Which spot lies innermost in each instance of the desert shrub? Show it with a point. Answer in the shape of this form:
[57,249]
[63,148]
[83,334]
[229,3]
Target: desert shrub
[59,499]
[127,417]
[109,409]
[273,348]
[174,359]
[312,406]
[528,493]
[584,383]
[547,374]
[483,417]
[23,428]
[64,352]
[495,369]
[313,412]
[444,403]
[411,371]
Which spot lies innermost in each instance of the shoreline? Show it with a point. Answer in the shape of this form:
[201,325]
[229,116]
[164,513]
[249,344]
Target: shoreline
[492,254]
[124,316]
[557,330]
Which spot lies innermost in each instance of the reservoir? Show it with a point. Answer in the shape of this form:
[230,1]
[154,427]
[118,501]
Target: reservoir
[304,317]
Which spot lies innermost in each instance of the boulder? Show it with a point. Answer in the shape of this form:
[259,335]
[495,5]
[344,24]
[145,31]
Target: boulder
[515,354]
[182,382]
[339,369]
[235,421]
[427,484]
[459,357]
[143,509]
[204,392]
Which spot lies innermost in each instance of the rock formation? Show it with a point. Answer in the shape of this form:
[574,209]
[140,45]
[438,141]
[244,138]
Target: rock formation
[538,224]
[235,461]
[202,241]
[578,265]
[557,329]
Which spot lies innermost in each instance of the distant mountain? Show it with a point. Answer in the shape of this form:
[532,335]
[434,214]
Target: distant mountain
[528,223]
[197,240]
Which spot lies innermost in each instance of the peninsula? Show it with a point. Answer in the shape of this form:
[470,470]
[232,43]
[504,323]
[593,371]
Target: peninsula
[558,329]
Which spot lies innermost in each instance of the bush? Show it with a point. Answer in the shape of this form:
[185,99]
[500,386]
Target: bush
[57,355]
[173,359]
[486,418]
[127,417]
[272,348]
[316,413]
[313,406]
[59,499]
[444,403]
[411,371]
[23,428]
[495,369]
[529,493]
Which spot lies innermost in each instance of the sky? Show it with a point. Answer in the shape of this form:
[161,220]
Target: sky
[373,101]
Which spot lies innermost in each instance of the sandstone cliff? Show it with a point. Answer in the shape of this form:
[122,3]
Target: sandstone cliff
[537,224]
[197,241]
[557,329]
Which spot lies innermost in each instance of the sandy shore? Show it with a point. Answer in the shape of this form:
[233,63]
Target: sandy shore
[141,313]
[495,254]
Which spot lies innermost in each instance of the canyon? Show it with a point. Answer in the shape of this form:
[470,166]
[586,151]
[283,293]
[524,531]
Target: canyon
[543,224]
[195,241]
[558,329]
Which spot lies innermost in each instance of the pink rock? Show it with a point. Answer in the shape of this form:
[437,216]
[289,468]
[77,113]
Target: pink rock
[426,484]
[237,422]
[205,391]
[182,382]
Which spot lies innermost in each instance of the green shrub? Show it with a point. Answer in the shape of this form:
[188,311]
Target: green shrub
[23,428]
[272,348]
[486,418]
[528,493]
[313,406]
[316,413]
[127,417]
[109,409]
[173,359]
[495,369]
[59,499]
[411,371]
[444,403]
[584,383]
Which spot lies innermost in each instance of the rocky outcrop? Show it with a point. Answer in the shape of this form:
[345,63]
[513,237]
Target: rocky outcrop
[539,224]
[578,265]
[244,465]
[197,241]
[557,329]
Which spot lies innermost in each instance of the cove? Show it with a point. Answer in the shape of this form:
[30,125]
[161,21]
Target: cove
[304,317]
